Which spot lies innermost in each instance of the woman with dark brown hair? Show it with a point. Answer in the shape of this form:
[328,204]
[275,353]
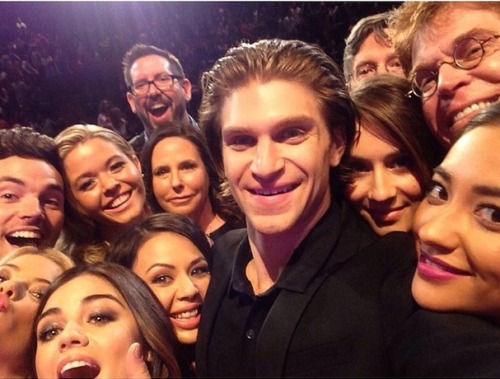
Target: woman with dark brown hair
[389,166]
[102,319]
[180,177]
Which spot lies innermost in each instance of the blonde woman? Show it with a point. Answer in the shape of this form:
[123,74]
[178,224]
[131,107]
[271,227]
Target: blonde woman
[25,273]
[104,188]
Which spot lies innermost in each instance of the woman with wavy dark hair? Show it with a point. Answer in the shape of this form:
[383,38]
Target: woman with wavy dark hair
[172,255]
[180,177]
[102,319]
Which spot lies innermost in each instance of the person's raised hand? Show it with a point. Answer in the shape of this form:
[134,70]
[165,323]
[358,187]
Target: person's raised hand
[135,365]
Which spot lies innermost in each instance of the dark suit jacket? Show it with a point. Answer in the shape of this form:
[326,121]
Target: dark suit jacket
[350,290]
[137,142]
[448,345]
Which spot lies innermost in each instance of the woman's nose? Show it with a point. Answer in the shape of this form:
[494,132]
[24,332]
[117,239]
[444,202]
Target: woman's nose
[109,183]
[186,288]
[382,187]
[12,289]
[440,226]
[72,336]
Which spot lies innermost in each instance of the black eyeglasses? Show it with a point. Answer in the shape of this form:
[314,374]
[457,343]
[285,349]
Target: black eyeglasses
[365,71]
[468,54]
[163,83]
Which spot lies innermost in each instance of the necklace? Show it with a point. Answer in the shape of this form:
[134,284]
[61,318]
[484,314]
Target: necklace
[209,226]
[208,231]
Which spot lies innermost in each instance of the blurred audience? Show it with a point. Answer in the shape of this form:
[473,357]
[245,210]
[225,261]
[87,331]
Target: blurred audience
[119,122]
[104,115]
[60,76]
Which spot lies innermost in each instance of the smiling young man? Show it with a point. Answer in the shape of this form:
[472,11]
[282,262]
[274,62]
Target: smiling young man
[302,290]
[158,91]
[31,190]
[451,53]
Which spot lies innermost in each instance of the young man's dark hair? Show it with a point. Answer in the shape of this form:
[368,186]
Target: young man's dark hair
[31,190]
[27,143]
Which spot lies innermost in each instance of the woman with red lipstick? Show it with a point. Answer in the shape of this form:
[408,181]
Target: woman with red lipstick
[457,281]
[25,274]
[102,321]
[389,166]
[180,177]
[104,188]
[172,255]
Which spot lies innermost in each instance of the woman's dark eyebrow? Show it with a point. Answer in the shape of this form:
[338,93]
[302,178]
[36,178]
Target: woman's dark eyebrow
[87,299]
[99,296]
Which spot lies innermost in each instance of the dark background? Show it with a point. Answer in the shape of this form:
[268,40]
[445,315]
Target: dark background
[85,42]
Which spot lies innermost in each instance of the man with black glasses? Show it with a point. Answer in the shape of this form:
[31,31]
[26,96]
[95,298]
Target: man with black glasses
[158,91]
[451,52]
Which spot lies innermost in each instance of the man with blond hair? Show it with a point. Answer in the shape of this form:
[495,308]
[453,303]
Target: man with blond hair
[451,53]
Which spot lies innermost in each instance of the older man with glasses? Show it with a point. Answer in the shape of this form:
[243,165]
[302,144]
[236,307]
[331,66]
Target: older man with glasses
[158,91]
[369,50]
[451,53]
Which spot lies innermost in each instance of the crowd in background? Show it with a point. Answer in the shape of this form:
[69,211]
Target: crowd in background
[59,60]
[333,221]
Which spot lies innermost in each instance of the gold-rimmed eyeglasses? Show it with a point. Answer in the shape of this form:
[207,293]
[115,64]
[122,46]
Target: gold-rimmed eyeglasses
[468,54]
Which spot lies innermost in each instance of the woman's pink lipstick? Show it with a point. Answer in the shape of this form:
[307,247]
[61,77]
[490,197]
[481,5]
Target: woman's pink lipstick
[434,269]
